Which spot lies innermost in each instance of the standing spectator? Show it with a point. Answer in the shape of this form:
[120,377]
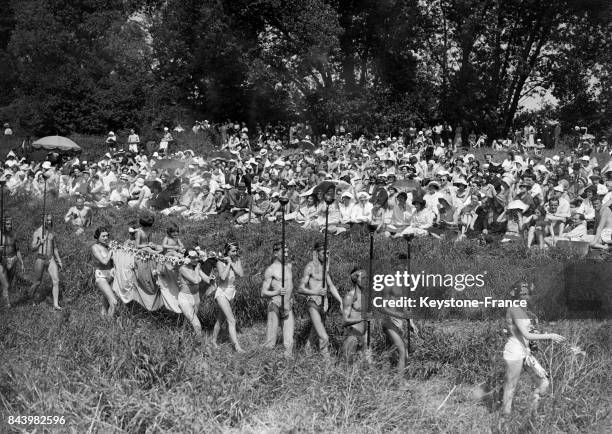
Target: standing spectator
[165,141]
[111,141]
[133,141]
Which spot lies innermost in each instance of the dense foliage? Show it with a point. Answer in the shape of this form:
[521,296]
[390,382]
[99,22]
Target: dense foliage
[90,66]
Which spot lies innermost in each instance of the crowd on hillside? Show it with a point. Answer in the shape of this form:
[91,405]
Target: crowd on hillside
[422,184]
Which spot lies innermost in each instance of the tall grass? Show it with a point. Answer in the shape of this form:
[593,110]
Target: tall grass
[143,372]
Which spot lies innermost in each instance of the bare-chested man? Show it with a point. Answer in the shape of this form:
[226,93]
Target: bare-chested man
[311,285]
[79,215]
[10,254]
[355,316]
[48,258]
[273,288]
[103,273]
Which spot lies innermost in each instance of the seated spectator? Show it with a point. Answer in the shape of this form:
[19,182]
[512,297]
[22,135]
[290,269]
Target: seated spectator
[307,215]
[536,225]
[514,220]
[79,216]
[195,211]
[221,203]
[139,194]
[555,217]
[586,206]
[422,220]
[399,216]
[119,192]
[184,201]
[345,206]
[575,230]
[362,211]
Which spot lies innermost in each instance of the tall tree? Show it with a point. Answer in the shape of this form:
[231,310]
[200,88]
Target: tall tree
[73,67]
[492,53]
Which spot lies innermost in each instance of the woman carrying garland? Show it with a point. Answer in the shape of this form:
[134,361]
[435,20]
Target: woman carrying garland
[143,235]
[146,268]
[228,268]
[189,277]
[103,273]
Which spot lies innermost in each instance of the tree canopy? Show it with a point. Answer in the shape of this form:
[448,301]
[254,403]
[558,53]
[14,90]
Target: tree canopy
[90,65]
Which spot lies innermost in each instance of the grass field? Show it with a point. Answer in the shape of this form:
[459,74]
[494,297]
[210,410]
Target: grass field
[142,372]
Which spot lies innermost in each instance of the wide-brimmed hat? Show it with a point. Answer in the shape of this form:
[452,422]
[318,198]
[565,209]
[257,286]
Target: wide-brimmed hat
[518,204]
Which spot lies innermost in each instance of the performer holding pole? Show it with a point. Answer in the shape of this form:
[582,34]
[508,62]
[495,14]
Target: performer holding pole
[311,285]
[392,323]
[354,316]
[11,252]
[47,259]
[278,286]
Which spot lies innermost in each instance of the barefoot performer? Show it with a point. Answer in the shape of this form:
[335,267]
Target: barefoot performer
[311,285]
[142,238]
[103,273]
[354,316]
[11,253]
[228,268]
[279,291]
[517,352]
[47,259]
[190,276]
[393,325]
[171,243]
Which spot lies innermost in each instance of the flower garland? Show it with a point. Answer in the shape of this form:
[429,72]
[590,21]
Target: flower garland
[201,255]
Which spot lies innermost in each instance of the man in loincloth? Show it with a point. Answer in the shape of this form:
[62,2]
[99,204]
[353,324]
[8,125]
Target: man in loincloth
[273,288]
[10,254]
[317,303]
[355,316]
[47,259]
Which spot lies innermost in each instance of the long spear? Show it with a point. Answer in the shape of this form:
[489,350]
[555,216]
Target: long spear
[283,201]
[371,228]
[2,182]
[408,238]
[44,208]
[328,200]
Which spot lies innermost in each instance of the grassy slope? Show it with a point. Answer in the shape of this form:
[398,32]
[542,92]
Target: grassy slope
[140,372]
